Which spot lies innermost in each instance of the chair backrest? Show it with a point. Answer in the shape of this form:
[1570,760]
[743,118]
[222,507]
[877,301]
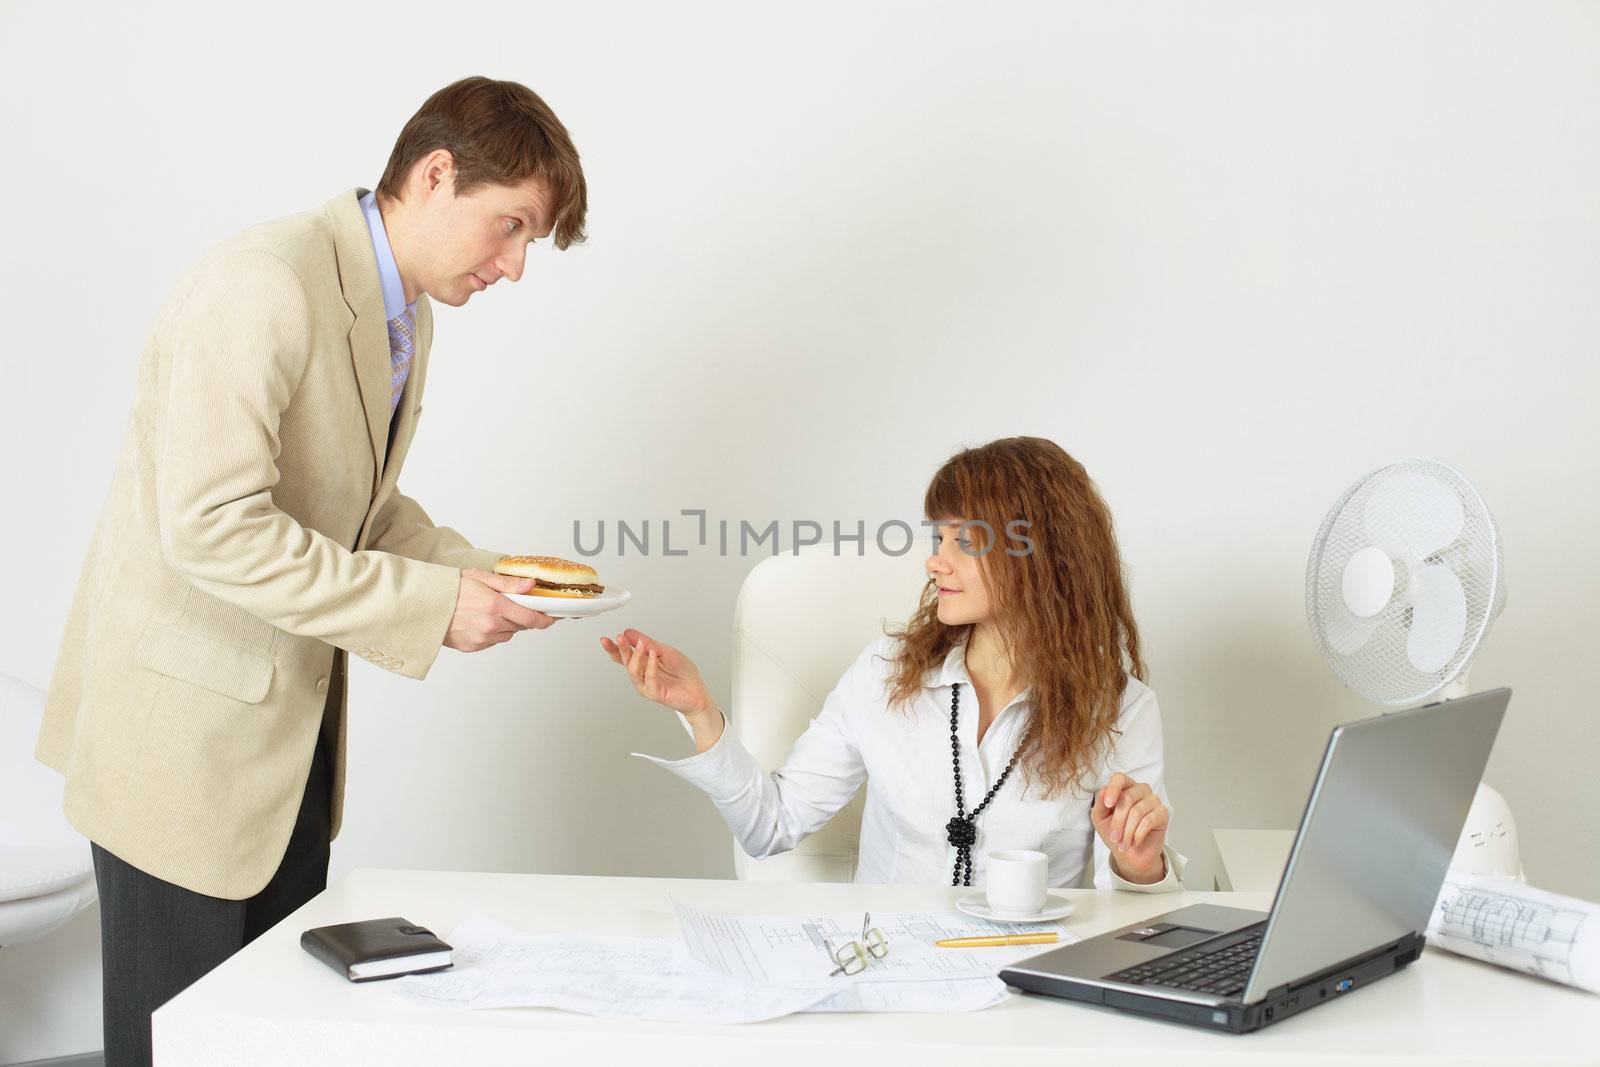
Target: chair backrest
[801,620]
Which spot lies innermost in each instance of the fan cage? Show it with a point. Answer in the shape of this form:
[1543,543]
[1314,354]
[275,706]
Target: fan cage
[1380,669]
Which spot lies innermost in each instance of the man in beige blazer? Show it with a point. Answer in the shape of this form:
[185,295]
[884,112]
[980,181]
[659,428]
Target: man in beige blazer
[255,534]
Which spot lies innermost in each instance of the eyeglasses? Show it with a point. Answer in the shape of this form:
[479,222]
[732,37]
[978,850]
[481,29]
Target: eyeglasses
[853,956]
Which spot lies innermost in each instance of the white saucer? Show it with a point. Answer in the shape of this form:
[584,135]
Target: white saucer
[571,607]
[1055,907]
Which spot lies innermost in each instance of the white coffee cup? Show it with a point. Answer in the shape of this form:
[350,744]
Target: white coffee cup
[1015,883]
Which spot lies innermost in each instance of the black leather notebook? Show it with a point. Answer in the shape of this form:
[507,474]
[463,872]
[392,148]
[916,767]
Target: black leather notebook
[377,948]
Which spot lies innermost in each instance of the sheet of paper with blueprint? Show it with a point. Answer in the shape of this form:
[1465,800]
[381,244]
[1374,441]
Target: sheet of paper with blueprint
[788,949]
[496,966]
[1506,922]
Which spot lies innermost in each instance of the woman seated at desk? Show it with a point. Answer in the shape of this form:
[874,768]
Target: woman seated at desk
[1022,662]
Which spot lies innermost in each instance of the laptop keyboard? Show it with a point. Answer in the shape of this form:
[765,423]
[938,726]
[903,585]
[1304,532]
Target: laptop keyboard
[1220,971]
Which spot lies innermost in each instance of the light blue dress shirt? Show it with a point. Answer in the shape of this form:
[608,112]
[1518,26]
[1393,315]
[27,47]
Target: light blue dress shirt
[394,293]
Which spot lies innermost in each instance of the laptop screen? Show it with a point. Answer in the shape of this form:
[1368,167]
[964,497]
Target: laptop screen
[1377,835]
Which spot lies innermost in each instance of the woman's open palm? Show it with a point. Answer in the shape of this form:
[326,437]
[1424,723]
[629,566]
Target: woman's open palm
[659,672]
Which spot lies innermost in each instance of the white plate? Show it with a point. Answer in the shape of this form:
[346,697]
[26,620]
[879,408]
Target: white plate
[1055,907]
[572,607]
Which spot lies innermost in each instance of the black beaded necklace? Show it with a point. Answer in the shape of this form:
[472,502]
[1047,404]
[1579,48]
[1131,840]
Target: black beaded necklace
[962,831]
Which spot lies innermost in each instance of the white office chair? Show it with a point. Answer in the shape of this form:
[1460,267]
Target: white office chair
[46,869]
[801,620]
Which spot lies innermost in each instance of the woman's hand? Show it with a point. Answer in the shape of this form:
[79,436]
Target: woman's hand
[663,674]
[1132,821]
[660,672]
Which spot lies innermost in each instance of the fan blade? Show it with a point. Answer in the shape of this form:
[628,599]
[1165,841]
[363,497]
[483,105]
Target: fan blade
[1367,582]
[1411,514]
[1344,632]
[1438,619]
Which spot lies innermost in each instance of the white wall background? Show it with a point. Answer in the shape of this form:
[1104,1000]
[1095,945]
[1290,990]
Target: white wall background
[1231,256]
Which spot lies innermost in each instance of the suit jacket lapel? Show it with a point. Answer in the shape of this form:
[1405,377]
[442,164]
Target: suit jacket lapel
[369,335]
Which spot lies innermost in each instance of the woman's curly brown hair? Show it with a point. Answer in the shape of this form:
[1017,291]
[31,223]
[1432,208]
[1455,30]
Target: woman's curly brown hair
[1061,607]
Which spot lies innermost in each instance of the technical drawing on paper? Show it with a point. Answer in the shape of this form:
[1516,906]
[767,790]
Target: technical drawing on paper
[1517,926]
[788,948]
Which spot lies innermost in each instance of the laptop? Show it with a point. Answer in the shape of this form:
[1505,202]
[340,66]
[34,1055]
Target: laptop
[1360,883]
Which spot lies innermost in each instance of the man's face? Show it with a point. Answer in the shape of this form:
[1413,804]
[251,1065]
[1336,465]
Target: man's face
[460,245]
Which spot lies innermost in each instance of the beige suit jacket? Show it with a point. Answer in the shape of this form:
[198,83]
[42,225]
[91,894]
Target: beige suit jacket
[254,532]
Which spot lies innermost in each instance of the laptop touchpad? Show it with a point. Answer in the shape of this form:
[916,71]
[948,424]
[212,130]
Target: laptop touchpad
[1166,935]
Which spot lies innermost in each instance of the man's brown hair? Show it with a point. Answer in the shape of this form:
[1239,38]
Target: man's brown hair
[500,133]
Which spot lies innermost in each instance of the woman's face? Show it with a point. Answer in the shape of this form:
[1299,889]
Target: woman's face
[963,598]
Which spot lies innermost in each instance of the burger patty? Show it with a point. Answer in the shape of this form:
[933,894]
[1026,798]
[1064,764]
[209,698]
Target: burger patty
[540,583]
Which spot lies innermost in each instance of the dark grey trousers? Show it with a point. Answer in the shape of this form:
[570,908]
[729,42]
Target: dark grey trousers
[157,939]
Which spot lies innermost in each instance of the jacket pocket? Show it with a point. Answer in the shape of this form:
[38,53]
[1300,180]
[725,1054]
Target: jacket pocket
[204,661]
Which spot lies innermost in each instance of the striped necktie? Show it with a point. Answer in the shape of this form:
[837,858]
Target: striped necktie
[402,344]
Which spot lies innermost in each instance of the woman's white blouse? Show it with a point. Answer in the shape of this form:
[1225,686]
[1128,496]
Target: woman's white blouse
[905,761]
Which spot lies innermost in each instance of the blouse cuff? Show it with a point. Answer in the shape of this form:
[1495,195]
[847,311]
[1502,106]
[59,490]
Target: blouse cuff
[1171,883]
[722,771]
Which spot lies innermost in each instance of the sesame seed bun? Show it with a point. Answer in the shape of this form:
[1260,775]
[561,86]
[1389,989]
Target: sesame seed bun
[552,575]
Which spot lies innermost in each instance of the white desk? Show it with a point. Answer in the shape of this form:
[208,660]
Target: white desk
[274,1004]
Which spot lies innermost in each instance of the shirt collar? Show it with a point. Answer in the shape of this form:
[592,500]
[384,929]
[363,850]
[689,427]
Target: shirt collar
[394,292]
[954,669]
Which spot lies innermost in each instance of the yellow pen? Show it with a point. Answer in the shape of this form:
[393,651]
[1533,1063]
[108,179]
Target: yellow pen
[1005,939]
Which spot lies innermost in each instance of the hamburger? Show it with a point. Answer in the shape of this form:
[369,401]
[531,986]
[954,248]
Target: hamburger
[552,575]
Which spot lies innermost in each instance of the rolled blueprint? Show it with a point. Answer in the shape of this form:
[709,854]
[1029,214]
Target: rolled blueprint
[1505,922]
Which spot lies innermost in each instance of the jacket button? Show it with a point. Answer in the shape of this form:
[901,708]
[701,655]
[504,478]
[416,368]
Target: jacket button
[399,663]
[322,685]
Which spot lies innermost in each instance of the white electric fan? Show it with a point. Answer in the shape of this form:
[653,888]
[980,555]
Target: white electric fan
[1405,576]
